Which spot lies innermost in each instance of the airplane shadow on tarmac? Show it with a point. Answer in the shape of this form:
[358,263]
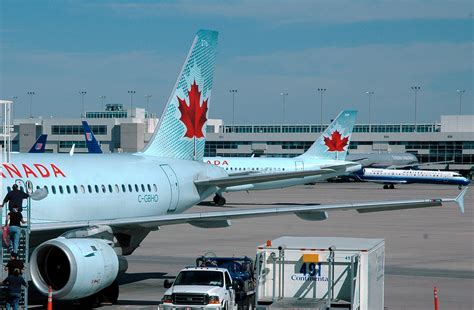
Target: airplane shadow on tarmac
[127,278]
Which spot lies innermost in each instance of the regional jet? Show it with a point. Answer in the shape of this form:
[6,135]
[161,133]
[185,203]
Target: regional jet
[100,208]
[390,177]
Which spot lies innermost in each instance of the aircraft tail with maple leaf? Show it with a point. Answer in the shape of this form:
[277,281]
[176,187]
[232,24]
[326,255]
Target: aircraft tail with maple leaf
[334,142]
[181,131]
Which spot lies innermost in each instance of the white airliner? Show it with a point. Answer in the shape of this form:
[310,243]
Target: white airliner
[101,207]
[390,177]
[327,153]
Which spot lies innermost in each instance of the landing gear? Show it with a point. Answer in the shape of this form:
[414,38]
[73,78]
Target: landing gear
[460,187]
[385,186]
[219,200]
[392,186]
[388,186]
[107,296]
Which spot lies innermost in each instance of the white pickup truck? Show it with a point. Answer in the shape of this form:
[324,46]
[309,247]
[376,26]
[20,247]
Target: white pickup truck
[200,288]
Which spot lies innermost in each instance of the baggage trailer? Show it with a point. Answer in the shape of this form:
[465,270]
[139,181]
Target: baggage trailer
[324,271]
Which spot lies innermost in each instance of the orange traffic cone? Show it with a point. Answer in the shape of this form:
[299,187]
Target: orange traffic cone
[50,298]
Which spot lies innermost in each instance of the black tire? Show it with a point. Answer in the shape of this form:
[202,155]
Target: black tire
[392,186]
[216,199]
[109,294]
[89,302]
[385,186]
[222,201]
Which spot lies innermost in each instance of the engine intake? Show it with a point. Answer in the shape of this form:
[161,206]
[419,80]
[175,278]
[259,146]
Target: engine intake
[74,268]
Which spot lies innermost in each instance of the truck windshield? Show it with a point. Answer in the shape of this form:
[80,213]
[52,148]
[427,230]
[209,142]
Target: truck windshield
[194,277]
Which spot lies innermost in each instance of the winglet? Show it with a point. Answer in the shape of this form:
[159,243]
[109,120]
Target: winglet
[460,199]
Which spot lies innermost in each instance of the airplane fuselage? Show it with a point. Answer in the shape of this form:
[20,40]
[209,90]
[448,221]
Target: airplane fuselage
[390,176]
[236,165]
[109,186]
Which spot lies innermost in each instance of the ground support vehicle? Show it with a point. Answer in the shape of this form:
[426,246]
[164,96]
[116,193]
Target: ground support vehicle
[207,288]
[323,272]
[242,271]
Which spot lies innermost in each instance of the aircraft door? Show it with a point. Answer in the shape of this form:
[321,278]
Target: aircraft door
[299,166]
[174,187]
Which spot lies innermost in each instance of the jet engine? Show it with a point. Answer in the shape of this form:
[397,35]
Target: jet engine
[75,267]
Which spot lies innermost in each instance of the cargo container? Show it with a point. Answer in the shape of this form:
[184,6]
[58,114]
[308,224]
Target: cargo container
[342,272]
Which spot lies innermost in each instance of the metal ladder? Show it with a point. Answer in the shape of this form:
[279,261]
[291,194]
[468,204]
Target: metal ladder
[23,251]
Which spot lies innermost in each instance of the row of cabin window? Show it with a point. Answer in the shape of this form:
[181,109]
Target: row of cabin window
[255,169]
[82,188]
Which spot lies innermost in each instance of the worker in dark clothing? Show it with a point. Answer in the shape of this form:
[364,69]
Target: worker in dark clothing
[15,197]
[14,221]
[14,282]
[13,264]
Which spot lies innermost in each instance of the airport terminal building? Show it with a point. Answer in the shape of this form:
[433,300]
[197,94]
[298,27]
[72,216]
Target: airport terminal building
[118,130]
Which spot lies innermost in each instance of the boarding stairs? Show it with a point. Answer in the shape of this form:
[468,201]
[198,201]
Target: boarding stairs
[23,251]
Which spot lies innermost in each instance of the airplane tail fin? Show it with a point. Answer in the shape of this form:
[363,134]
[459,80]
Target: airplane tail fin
[181,131]
[39,145]
[334,141]
[93,146]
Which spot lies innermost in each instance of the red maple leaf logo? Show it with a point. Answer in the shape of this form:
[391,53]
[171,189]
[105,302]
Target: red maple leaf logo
[194,115]
[335,143]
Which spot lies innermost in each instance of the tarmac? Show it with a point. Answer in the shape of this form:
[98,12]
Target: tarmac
[424,247]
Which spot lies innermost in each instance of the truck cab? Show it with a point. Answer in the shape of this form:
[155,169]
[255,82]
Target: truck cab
[200,287]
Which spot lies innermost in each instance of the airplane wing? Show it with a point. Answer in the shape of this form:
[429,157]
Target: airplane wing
[252,177]
[234,180]
[221,218]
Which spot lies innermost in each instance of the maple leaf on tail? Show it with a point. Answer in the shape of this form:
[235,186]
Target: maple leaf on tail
[335,143]
[193,115]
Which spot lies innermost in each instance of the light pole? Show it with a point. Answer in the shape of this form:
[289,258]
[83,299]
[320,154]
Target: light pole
[415,89]
[233,92]
[148,97]
[102,98]
[321,92]
[283,96]
[83,93]
[14,98]
[370,93]
[460,92]
[131,92]
[31,94]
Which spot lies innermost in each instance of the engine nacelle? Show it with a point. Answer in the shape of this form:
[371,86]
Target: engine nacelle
[74,268]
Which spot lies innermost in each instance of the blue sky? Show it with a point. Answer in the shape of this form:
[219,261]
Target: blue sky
[56,48]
